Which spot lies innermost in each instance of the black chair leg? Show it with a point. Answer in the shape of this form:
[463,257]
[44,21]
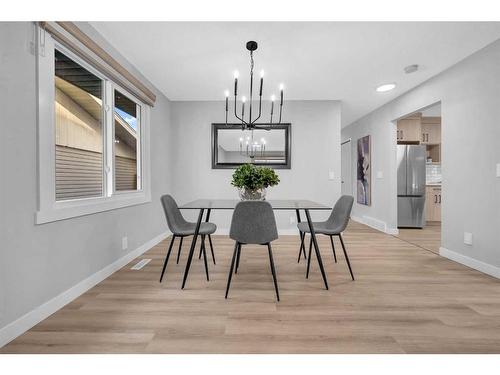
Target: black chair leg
[166,258]
[302,246]
[179,251]
[273,271]
[309,259]
[211,248]
[204,255]
[333,248]
[346,257]
[238,259]
[201,250]
[232,268]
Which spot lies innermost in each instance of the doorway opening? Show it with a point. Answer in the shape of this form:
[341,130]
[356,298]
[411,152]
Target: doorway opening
[419,177]
[346,167]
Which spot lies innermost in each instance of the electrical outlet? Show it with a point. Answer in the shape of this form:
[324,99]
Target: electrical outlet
[331,175]
[498,170]
[124,243]
[467,238]
[292,219]
[380,174]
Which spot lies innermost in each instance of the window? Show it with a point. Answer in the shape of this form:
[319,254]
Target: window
[79,130]
[127,131]
[93,149]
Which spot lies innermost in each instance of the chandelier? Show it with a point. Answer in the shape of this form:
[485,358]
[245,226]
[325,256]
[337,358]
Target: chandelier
[250,123]
[252,148]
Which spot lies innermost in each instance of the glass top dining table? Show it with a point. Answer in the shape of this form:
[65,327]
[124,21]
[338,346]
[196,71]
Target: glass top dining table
[277,204]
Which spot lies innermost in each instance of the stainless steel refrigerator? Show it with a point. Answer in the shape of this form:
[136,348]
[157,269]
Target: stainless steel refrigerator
[411,186]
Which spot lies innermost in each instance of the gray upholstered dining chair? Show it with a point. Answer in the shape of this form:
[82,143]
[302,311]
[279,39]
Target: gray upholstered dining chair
[182,228]
[333,226]
[253,222]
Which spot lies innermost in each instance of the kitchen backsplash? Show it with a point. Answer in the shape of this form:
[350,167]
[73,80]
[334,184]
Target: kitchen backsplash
[433,173]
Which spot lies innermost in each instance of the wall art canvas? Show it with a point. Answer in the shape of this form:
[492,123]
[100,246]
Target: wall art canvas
[364,171]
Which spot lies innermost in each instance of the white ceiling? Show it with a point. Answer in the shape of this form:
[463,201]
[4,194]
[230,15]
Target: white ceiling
[315,60]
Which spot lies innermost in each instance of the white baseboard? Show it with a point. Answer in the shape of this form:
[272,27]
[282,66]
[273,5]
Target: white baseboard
[30,319]
[376,224]
[470,262]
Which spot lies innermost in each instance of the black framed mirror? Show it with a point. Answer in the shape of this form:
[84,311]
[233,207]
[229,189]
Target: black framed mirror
[268,145]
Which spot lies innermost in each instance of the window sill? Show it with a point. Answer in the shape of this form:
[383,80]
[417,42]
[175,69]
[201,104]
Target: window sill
[75,208]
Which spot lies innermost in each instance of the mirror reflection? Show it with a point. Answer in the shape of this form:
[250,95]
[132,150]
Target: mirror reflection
[234,146]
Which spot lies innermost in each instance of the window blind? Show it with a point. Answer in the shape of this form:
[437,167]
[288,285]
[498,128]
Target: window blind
[69,34]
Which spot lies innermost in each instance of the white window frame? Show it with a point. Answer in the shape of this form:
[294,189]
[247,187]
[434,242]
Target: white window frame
[49,209]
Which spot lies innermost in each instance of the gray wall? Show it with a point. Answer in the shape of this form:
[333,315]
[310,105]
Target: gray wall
[315,152]
[470,96]
[38,262]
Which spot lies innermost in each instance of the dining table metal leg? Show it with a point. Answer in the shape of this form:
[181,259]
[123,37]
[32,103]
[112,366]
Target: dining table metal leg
[310,256]
[302,236]
[207,218]
[204,255]
[193,246]
[316,248]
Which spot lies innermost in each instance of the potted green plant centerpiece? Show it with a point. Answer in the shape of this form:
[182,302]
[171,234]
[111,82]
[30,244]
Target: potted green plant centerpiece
[253,181]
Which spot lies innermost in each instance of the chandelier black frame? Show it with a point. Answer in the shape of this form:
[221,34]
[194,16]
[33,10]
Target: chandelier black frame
[252,124]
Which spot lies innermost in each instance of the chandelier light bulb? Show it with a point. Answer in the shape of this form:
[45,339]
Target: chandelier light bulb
[273,98]
[226,93]
[243,99]
[262,73]
[282,86]
[236,74]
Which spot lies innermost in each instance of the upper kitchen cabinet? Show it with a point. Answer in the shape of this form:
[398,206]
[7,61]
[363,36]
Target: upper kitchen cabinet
[431,130]
[410,129]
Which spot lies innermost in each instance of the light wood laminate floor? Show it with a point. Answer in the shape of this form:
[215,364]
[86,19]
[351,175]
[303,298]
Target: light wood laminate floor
[429,237]
[405,300]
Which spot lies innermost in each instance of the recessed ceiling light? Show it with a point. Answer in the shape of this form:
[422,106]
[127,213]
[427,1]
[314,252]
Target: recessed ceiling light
[386,87]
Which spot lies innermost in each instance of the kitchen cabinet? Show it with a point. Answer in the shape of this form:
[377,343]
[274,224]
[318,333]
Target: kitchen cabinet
[430,130]
[409,129]
[433,203]
[434,153]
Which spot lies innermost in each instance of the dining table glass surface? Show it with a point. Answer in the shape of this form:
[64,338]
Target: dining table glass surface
[276,204]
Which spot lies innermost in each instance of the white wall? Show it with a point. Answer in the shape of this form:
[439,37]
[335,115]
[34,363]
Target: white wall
[315,151]
[38,262]
[470,97]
